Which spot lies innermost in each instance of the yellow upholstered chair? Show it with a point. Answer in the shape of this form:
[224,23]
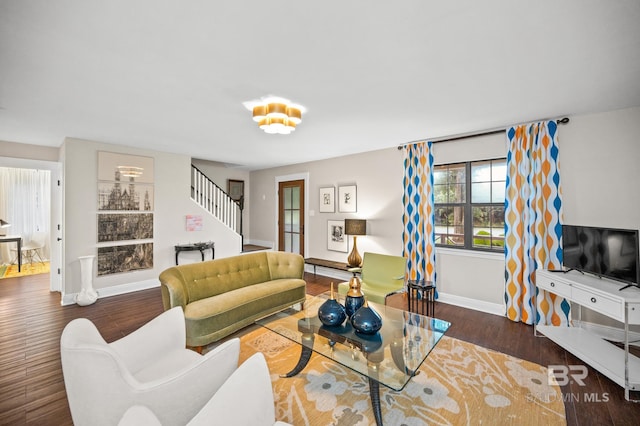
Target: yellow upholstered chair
[381,275]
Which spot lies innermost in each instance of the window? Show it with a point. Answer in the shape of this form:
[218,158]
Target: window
[469,204]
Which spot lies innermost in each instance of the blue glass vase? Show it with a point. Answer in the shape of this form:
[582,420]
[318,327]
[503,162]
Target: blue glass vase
[331,313]
[366,320]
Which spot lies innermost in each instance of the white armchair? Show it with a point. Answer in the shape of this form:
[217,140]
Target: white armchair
[245,399]
[149,367]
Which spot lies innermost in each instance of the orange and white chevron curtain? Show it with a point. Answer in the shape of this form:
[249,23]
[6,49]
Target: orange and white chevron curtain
[533,223]
[418,237]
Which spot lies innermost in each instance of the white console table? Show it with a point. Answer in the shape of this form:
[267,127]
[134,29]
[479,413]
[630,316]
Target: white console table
[603,296]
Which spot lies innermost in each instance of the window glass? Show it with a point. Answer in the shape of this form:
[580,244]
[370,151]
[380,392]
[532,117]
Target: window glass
[449,222]
[469,200]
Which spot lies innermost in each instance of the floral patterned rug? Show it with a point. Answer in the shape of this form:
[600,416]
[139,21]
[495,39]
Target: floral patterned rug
[460,383]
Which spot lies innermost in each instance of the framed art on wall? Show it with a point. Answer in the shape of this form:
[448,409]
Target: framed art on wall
[327,200]
[336,238]
[347,198]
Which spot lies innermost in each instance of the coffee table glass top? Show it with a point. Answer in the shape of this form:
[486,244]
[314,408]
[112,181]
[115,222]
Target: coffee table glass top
[391,356]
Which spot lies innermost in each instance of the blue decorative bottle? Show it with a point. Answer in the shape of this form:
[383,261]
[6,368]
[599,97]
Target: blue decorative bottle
[331,312]
[366,320]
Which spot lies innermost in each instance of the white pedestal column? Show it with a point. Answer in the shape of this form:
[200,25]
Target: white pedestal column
[87,295]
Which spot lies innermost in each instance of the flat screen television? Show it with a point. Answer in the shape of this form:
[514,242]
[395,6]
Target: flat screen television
[605,252]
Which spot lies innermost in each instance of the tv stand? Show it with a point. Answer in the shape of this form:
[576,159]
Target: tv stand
[603,296]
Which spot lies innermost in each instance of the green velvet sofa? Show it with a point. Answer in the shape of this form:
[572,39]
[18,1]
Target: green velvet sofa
[221,296]
[381,275]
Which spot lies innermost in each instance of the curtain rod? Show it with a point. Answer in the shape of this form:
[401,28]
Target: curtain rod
[563,120]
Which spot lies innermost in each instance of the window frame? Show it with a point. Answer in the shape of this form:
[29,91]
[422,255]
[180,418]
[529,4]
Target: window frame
[468,206]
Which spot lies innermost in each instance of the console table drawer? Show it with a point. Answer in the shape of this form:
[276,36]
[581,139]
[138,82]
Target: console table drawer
[554,286]
[613,308]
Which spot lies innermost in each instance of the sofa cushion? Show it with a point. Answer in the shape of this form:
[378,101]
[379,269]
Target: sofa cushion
[225,313]
[213,277]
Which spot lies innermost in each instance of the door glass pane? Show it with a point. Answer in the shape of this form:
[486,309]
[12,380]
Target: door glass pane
[287,221]
[287,242]
[296,244]
[295,198]
[287,198]
[295,221]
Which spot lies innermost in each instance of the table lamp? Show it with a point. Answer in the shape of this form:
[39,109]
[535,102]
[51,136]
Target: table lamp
[4,224]
[355,227]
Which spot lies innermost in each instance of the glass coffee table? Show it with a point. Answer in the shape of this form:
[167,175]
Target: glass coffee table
[390,357]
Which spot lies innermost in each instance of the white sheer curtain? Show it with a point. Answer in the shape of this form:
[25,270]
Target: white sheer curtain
[25,202]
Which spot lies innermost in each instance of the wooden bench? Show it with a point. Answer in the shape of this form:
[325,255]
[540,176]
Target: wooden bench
[342,266]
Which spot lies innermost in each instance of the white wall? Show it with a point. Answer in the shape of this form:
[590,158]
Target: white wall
[172,204]
[599,156]
[378,177]
[600,165]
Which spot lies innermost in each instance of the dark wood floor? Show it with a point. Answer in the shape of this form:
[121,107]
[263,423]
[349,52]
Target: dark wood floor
[31,321]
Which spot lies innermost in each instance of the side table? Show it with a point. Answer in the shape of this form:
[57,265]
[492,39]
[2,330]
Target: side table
[201,247]
[421,297]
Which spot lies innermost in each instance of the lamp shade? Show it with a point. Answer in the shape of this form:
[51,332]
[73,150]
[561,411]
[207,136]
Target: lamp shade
[355,227]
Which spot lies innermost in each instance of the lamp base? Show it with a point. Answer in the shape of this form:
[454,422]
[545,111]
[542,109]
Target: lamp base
[354,260]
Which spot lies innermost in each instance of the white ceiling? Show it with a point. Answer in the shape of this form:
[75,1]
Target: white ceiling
[173,75]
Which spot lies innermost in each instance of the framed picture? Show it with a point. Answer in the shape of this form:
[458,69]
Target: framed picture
[235,188]
[336,238]
[328,200]
[347,198]
[194,222]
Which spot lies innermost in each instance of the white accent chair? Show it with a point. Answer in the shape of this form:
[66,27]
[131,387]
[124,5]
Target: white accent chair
[149,367]
[245,399]
[31,249]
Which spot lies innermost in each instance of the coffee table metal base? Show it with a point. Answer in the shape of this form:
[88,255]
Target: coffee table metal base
[374,385]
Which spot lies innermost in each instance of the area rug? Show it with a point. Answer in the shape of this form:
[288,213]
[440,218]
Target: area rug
[459,384]
[11,271]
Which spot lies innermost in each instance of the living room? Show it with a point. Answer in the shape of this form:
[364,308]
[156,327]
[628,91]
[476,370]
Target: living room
[598,147]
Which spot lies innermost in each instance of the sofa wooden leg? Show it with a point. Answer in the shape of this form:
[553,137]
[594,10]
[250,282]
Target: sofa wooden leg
[196,348]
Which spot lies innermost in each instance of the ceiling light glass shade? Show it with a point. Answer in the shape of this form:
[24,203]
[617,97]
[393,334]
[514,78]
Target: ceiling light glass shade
[277,110]
[294,115]
[259,113]
[276,115]
[277,126]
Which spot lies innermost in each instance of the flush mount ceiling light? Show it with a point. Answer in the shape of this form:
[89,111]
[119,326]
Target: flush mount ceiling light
[276,115]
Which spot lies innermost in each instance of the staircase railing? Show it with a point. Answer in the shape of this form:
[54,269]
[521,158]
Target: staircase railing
[216,201]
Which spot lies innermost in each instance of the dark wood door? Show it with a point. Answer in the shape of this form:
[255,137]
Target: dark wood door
[291,216]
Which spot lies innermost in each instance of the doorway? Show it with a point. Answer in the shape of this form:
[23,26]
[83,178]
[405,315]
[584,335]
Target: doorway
[291,216]
[55,213]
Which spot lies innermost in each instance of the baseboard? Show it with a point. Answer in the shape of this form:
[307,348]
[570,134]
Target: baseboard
[476,305]
[259,243]
[70,299]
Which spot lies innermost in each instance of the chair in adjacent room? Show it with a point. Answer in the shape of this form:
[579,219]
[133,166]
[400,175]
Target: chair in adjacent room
[32,249]
[150,367]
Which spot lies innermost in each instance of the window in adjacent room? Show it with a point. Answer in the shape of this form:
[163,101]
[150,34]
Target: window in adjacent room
[469,204]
